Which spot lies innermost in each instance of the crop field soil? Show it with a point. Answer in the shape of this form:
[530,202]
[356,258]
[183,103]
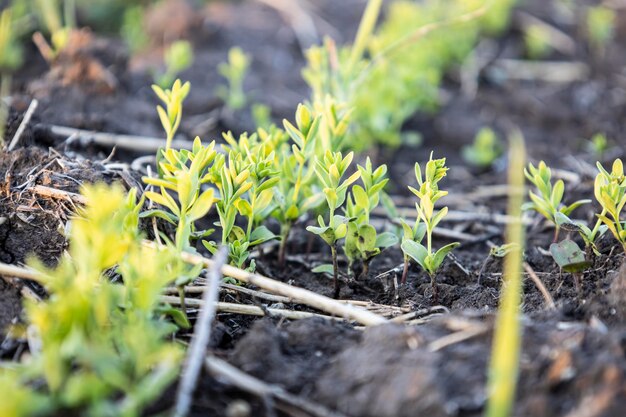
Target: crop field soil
[422,347]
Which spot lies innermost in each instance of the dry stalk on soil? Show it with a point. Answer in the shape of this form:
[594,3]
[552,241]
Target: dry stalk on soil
[299,295]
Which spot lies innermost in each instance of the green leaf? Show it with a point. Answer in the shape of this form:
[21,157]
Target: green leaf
[557,193]
[360,196]
[441,254]
[202,205]
[569,257]
[416,251]
[323,269]
[178,316]
[567,210]
[261,235]
[295,134]
[386,240]
[366,240]
[161,214]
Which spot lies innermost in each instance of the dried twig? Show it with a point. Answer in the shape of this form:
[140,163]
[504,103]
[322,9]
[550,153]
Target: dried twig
[58,194]
[129,142]
[248,310]
[457,337]
[299,295]
[539,284]
[548,71]
[200,340]
[20,130]
[558,39]
[19,272]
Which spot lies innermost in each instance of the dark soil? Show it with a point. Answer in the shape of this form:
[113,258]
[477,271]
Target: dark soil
[573,360]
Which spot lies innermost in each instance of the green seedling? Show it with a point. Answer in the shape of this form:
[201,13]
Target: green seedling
[10,58]
[414,234]
[499,252]
[610,192]
[428,194]
[589,236]
[262,115]
[172,114]
[177,57]
[132,30]
[600,26]
[246,188]
[295,193]
[362,242]
[548,201]
[103,347]
[598,145]
[537,41]
[394,69]
[485,149]
[59,28]
[235,72]
[330,171]
[10,51]
[570,258]
[183,174]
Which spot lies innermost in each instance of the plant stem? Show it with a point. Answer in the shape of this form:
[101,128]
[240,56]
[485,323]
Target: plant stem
[596,227]
[405,270]
[579,290]
[366,269]
[282,249]
[366,28]
[433,284]
[333,251]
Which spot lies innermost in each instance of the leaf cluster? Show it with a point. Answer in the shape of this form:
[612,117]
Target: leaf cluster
[428,194]
[102,348]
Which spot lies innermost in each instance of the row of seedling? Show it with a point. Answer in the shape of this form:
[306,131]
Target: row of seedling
[287,174]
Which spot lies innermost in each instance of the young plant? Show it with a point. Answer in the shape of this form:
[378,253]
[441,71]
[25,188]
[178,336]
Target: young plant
[548,201]
[49,12]
[183,174]
[589,236]
[330,170]
[537,41]
[498,252]
[177,57]
[10,51]
[103,347]
[485,149]
[246,185]
[570,258]
[234,71]
[428,194]
[600,26]
[10,58]
[598,145]
[610,192]
[295,193]
[172,114]
[362,242]
[132,29]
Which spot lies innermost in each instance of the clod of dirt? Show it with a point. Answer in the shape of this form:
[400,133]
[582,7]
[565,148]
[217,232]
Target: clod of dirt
[617,293]
[294,355]
[395,372]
